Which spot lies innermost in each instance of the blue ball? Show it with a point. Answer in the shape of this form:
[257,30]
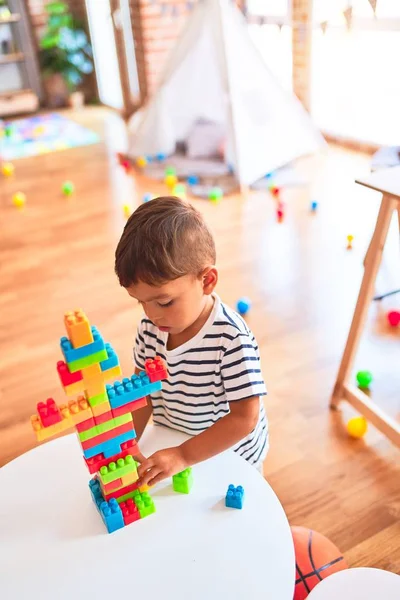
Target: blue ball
[193,180]
[314,205]
[243,306]
[161,156]
[147,197]
[149,159]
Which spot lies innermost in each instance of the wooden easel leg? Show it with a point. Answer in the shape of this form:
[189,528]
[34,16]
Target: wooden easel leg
[371,264]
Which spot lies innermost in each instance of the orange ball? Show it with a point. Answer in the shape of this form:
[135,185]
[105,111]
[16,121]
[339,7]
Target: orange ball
[316,558]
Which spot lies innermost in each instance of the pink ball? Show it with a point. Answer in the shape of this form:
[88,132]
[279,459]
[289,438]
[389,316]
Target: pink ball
[394,318]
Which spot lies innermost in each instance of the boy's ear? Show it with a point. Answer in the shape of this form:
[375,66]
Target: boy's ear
[210,279]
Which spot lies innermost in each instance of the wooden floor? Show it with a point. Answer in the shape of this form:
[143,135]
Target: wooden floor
[57,254]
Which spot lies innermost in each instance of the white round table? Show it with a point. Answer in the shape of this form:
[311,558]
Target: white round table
[54,544]
[358,584]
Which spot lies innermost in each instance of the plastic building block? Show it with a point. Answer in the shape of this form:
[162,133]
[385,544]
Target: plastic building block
[234,496]
[74,388]
[44,433]
[104,427]
[129,478]
[48,412]
[87,361]
[106,436]
[116,470]
[111,447]
[96,400]
[102,408]
[79,410]
[145,504]
[111,515]
[92,372]
[183,482]
[95,491]
[94,387]
[112,373]
[72,354]
[130,407]
[99,419]
[125,490]
[130,512]
[66,377]
[111,360]
[107,488]
[78,328]
[156,369]
[131,389]
[95,463]
[85,425]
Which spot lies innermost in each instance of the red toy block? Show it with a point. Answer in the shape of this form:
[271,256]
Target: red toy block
[66,377]
[130,407]
[48,412]
[88,424]
[121,492]
[107,488]
[94,464]
[156,369]
[108,435]
[107,416]
[130,512]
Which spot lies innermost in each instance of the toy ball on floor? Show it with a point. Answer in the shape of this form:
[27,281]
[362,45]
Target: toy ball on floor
[394,318]
[141,162]
[364,378]
[193,180]
[147,197]
[68,188]
[350,239]
[357,427]
[275,191]
[7,169]
[170,171]
[215,194]
[127,211]
[314,206]
[161,156]
[19,199]
[171,180]
[316,558]
[179,191]
[243,306]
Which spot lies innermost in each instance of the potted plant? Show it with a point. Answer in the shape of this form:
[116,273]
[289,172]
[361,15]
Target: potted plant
[65,56]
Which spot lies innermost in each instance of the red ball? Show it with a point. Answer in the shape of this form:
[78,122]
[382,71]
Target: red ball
[316,558]
[394,318]
[275,191]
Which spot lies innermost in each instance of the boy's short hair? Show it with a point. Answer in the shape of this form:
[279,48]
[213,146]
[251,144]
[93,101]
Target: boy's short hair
[163,239]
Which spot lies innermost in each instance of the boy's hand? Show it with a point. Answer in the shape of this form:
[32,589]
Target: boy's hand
[160,465]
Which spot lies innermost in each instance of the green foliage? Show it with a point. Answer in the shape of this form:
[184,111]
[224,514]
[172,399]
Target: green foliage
[64,47]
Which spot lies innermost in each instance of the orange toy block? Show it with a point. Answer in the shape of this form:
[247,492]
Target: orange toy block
[74,388]
[112,486]
[94,387]
[80,410]
[130,478]
[78,328]
[102,408]
[112,373]
[92,372]
[44,433]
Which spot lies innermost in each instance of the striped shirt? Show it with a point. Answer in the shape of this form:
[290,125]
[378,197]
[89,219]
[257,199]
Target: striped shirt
[219,365]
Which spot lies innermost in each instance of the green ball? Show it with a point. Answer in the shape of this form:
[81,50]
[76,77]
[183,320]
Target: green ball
[170,171]
[364,378]
[8,130]
[68,188]
[215,194]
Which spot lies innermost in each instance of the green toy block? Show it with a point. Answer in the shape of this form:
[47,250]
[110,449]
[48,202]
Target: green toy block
[133,494]
[99,399]
[115,470]
[87,361]
[103,427]
[145,504]
[182,482]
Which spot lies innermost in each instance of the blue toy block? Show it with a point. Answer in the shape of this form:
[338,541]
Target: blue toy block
[234,496]
[111,447]
[111,515]
[72,354]
[95,491]
[111,361]
[138,386]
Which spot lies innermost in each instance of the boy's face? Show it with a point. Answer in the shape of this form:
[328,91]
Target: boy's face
[176,305]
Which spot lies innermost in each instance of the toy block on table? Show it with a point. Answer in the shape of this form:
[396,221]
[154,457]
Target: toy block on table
[156,369]
[102,418]
[234,496]
[183,482]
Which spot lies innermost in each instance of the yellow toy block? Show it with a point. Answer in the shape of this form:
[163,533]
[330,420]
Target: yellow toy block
[43,433]
[144,488]
[129,478]
[79,410]
[112,373]
[92,372]
[78,328]
[100,409]
[94,387]
[74,388]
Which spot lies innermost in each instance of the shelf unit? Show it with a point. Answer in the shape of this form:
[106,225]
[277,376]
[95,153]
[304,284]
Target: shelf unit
[20,81]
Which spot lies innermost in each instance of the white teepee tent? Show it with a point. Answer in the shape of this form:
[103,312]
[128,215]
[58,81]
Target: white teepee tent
[216,73]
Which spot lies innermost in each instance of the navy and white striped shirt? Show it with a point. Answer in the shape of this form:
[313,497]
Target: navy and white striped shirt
[219,365]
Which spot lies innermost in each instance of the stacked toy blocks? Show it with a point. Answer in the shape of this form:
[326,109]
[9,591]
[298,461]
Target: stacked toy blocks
[102,418]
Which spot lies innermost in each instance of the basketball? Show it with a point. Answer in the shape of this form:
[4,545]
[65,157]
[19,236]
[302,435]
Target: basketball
[316,558]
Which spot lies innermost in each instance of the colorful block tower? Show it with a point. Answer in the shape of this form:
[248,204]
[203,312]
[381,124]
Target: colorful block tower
[102,418]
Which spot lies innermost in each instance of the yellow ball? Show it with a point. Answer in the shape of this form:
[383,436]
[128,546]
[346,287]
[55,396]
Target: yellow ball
[19,200]
[7,169]
[141,162]
[357,427]
[171,180]
[127,211]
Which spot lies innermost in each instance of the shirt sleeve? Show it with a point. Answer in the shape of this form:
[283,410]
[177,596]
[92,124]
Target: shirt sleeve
[241,369]
[139,352]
